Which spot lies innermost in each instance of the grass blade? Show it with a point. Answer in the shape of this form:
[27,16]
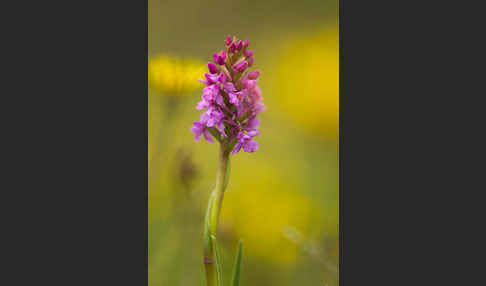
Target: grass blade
[235,281]
[207,238]
[219,269]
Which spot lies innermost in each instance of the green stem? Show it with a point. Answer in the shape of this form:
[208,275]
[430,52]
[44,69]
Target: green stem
[214,208]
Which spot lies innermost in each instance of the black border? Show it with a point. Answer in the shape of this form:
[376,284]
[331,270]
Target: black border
[78,176]
[340,20]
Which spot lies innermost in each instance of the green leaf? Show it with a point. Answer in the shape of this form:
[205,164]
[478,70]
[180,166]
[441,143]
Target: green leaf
[207,238]
[235,281]
[219,269]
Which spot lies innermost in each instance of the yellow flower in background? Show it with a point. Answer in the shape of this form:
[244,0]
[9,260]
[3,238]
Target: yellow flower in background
[307,81]
[257,210]
[174,76]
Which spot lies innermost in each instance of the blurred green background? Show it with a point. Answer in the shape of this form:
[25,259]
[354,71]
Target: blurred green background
[282,200]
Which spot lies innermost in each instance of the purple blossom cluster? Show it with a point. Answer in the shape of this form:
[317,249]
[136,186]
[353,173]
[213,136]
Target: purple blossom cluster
[231,99]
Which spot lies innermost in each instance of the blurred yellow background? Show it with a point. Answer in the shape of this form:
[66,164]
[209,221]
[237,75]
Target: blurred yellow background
[282,200]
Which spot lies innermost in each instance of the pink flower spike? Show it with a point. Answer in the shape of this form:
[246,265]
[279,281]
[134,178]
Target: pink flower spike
[231,100]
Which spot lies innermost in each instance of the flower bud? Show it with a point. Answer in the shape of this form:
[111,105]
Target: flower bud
[250,84]
[245,44]
[212,68]
[241,66]
[250,61]
[239,45]
[254,74]
[248,53]
[215,57]
[220,58]
[232,47]
[228,40]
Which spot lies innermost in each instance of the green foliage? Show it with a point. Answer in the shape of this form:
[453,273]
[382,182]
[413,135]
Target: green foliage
[235,280]
[219,268]
[207,232]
